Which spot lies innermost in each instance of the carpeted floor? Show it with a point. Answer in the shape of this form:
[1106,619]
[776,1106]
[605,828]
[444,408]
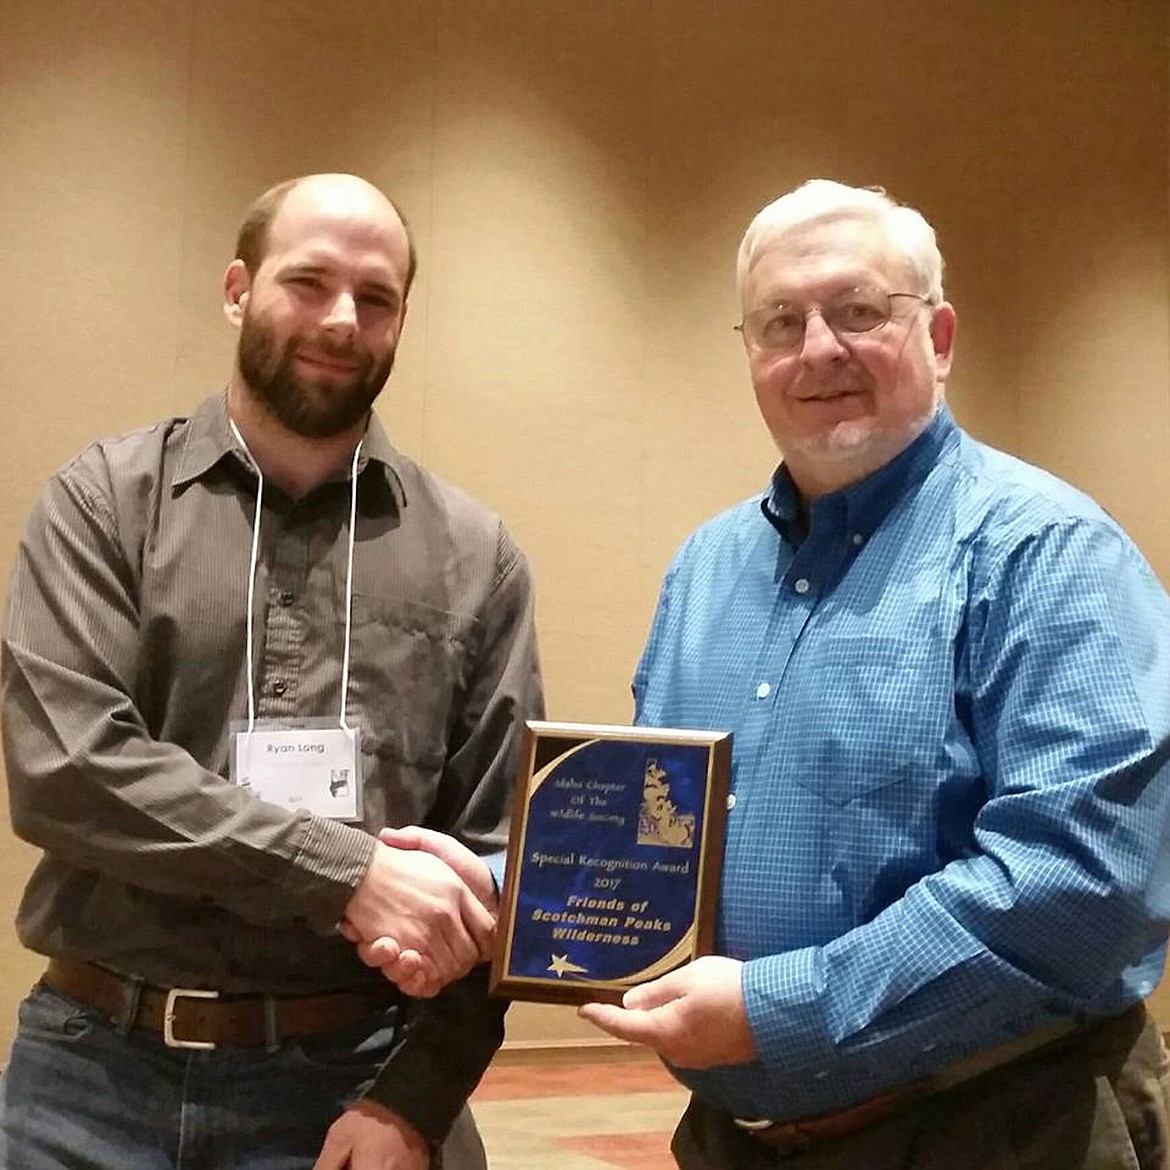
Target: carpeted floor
[599,1115]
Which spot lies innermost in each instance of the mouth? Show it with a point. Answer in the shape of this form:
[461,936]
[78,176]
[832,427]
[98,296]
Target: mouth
[327,363]
[826,395]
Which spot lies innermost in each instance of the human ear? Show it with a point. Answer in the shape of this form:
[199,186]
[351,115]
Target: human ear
[237,286]
[942,338]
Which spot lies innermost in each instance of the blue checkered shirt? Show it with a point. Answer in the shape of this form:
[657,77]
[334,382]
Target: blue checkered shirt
[950,697]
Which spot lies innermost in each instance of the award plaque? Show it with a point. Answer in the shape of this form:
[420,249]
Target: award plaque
[613,859]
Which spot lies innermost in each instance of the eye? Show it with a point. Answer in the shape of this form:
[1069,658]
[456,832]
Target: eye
[858,311]
[306,282]
[378,301]
[779,325]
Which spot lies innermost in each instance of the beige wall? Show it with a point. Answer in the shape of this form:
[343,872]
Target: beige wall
[578,175]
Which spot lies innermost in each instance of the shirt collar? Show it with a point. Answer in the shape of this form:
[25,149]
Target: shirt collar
[210,440]
[864,505]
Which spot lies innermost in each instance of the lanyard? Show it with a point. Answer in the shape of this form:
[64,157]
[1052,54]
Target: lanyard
[254,560]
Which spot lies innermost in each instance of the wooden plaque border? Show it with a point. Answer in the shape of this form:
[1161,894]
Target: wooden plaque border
[542,742]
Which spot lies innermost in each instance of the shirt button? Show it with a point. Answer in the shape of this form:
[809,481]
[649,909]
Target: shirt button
[801,586]
[858,538]
[763,690]
[287,597]
[279,687]
[730,801]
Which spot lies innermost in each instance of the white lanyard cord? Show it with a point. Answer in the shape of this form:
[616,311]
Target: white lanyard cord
[254,561]
[349,583]
[252,569]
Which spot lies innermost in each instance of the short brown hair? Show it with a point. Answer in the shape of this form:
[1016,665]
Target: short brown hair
[252,238]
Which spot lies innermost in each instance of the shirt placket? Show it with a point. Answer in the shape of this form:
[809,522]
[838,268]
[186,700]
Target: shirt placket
[802,578]
[285,613]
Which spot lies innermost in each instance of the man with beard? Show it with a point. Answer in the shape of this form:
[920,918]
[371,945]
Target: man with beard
[197,609]
[948,678]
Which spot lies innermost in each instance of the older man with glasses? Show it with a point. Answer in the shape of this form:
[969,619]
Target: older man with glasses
[945,893]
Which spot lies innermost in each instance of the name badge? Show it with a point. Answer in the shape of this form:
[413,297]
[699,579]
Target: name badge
[312,768]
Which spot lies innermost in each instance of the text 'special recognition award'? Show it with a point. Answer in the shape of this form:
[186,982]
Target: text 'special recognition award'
[613,859]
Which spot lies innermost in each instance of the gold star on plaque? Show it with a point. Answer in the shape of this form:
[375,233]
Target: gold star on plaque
[560,965]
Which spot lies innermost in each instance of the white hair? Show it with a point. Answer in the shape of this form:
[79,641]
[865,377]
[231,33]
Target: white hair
[823,199]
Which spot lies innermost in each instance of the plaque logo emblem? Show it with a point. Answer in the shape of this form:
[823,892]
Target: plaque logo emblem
[659,821]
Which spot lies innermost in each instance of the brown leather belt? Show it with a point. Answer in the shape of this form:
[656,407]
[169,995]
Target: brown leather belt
[805,1131]
[197,1018]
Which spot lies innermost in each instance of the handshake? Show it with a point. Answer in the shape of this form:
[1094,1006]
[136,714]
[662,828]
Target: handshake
[425,912]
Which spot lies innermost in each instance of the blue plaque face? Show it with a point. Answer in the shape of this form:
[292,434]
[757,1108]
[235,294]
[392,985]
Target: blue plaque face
[613,860]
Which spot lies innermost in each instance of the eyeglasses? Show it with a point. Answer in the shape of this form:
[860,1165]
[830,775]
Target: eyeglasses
[779,328]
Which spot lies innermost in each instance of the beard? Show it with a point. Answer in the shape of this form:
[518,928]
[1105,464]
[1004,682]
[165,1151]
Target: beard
[858,439]
[314,408]
[857,447]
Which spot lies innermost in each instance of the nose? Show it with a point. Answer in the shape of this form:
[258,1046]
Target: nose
[820,343]
[341,319]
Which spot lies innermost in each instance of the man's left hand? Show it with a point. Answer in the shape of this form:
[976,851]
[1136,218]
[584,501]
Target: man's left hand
[693,1018]
[369,1136]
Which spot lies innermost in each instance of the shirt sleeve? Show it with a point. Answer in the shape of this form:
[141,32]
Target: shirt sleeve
[448,1046]
[453,1037]
[88,782]
[1064,691]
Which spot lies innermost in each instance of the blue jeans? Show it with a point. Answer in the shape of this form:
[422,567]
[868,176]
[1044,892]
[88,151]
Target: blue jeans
[79,1094]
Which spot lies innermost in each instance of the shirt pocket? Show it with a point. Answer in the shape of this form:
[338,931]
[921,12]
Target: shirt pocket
[867,712]
[408,665]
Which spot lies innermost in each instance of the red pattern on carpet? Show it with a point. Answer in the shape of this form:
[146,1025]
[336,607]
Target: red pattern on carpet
[628,1151]
[505,1081]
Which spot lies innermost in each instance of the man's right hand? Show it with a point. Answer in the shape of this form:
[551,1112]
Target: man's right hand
[416,899]
[471,868]
[410,971]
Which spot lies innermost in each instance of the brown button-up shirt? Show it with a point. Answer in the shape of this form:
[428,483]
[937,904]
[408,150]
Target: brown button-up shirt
[124,664]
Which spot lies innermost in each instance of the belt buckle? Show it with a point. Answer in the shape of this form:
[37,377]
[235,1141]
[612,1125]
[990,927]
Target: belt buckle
[752,1124]
[169,1037]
